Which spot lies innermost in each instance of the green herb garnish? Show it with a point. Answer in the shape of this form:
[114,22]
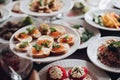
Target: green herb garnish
[30,30]
[27,21]
[53,29]
[37,47]
[23,44]
[66,37]
[41,2]
[77,26]
[46,44]
[56,46]
[86,35]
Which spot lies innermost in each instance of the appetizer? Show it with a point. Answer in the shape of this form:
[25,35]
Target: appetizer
[45,6]
[109,20]
[109,53]
[78,73]
[22,46]
[44,29]
[39,51]
[60,48]
[78,9]
[45,41]
[7,30]
[34,32]
[67,38]
[16,8]
[85,34]
[57,31]
[23,36]
[56,73]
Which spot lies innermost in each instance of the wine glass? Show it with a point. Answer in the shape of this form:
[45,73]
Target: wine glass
[8,58]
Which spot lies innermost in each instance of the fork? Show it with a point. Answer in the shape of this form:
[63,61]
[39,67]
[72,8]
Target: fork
[14,75]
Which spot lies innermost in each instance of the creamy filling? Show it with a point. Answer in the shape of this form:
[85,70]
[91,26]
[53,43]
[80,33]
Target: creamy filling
[55,73]
[77,72]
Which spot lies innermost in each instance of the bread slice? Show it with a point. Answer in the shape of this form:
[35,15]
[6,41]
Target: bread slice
[57,31]
[60,48]
[23,39]
[67,38]
[44,52]
[22,46]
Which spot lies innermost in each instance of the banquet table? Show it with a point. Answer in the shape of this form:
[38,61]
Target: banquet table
[78,54]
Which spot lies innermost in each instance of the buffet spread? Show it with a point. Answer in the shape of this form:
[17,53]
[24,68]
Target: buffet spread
[45,31]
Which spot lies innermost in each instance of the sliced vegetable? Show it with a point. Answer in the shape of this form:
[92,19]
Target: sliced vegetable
[23,44]
[77,26]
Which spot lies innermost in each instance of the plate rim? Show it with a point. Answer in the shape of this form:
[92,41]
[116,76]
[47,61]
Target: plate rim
[44,60]
[99,64]
[82,21]
[79,16]
[65,61]
[70,2]
[97,25]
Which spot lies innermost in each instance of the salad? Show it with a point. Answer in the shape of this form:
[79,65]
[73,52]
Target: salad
[85,34]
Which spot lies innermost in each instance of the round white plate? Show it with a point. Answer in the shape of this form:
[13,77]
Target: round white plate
[65,16]
[15,19]
[67,5]
[50,58]
[10,7]
[92,53]
[116,3]
[69,63]
[90,15]
[5,14]
[85,25]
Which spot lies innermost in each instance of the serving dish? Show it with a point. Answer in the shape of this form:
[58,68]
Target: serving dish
[12,23]
[92,52]
[77,22]
[14,7]
[68,63]
[78,10]
[67,5]
[92,13]
[116,3]
[49,58]
[5,14]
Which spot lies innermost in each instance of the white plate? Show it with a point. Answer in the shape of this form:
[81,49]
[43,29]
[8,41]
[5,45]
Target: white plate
[92,53]
[7,2]
[90,15]
[14,19]
[11,5]
[116,3]
[69,63]
[84,24]
[50,58]
[67,5]
[5,14]
[65,16]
